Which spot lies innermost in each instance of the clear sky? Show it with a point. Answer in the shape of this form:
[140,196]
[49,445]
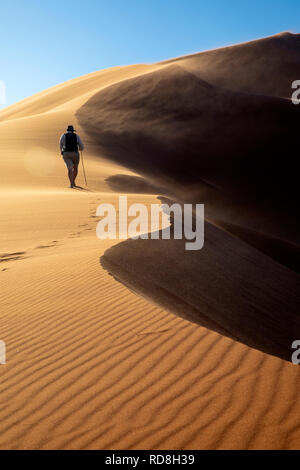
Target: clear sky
[46,42]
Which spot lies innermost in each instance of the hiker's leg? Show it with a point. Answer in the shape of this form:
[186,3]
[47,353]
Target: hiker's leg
[71,175]
[70,165]
[75,172]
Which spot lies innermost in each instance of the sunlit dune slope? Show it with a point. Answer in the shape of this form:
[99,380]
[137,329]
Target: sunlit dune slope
[30,131]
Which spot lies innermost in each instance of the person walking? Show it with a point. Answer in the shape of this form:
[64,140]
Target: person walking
[70,143]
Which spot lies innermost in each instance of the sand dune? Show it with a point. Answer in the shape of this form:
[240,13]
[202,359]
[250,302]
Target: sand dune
[29,132]
[266,66]
[94,364]
[236,152]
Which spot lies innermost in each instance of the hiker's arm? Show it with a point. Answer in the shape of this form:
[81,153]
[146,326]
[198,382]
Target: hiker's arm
[62,142]
[80,143]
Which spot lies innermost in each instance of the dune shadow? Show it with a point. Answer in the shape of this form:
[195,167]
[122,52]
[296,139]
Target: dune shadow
[228,286]
[133,184]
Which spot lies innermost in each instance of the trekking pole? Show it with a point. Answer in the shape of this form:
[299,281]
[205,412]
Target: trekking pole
[83,168]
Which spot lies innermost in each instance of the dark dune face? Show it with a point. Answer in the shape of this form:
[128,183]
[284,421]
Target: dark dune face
[173,125]
[236,152]
[217,128]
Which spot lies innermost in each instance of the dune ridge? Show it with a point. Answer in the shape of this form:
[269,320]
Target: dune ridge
[265,66]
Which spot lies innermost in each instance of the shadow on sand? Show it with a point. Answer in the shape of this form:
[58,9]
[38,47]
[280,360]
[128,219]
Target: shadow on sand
[133,184]
[80,188]
[228,286]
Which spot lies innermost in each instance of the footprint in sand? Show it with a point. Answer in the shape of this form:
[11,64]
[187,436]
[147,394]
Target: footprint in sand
[51,245]
[12,256]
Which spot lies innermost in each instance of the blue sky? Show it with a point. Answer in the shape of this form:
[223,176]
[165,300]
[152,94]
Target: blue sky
[46,42]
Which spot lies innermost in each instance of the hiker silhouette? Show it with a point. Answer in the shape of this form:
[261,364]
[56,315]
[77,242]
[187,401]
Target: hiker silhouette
[70,143]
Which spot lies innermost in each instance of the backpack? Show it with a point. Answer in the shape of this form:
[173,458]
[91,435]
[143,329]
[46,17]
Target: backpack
[71,144]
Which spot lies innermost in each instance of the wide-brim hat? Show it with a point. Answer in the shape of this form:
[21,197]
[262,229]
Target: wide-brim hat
[70,129]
